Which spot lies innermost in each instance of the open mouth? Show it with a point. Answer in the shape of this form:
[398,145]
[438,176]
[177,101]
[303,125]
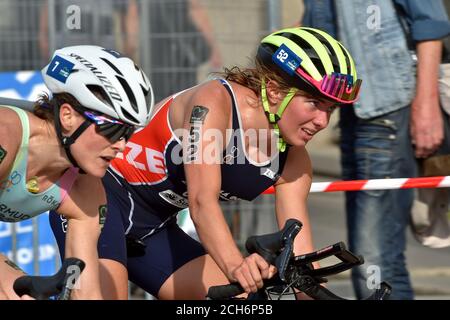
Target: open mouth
[308,132]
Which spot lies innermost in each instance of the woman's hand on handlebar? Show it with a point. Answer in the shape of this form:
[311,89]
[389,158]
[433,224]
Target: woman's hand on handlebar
[251,272]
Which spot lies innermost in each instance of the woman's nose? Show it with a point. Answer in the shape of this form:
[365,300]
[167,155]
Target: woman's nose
[321,120]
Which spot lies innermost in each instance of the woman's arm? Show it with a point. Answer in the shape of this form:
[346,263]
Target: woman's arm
[10,139]
[81,208]
[291,192]
[207,114]
[9,272]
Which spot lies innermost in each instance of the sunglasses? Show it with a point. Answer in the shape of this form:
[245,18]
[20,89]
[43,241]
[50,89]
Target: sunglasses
[337,86]
[113,130]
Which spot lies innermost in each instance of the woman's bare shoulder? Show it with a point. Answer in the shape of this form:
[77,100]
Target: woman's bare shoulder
[210,96]
[10,137]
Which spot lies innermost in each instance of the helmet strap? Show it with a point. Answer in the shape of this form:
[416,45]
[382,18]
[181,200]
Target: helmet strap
[67,141]
[275,117]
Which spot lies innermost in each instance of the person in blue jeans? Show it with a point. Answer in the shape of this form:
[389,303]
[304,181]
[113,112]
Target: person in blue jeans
[397,120]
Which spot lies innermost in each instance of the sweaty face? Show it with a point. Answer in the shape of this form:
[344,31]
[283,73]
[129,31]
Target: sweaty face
[303,118]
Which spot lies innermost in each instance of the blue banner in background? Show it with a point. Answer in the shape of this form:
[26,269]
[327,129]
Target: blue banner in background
[46,251]
[27,85]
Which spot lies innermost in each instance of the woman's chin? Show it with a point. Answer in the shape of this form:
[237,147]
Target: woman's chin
[97,171]
[297,142]
[300,139]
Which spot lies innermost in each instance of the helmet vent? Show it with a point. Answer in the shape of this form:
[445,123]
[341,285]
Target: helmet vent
[148,98]
[100,93]
[112,66]
[349,66]
[129,93]
[144,78]
[128,116]
[331,52]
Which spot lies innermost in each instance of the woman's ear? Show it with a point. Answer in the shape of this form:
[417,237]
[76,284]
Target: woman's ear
[274,95]
[67,117]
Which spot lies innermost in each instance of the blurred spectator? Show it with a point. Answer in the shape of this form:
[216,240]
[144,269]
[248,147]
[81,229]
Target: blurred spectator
[108,23]
[447,39]
[396,120]
[181,39]
[19,20]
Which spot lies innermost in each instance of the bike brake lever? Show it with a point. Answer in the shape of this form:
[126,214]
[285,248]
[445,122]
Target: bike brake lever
[282,261]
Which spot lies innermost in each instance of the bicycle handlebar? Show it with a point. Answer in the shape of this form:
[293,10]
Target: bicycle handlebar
[277,248]
[225,291]
[44,287]
[315,291]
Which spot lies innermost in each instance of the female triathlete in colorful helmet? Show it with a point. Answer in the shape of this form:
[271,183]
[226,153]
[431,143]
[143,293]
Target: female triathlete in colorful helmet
[97,99]
[309,60]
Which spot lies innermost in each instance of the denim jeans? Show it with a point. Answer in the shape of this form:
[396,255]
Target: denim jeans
[377,220]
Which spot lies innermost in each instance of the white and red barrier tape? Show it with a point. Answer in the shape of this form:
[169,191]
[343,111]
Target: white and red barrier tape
[378,184]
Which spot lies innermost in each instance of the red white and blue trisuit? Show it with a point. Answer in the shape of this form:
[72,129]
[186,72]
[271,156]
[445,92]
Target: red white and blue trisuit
[146,187]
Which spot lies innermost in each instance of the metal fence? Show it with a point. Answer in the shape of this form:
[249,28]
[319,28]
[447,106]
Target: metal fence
[19,43]
[177,43]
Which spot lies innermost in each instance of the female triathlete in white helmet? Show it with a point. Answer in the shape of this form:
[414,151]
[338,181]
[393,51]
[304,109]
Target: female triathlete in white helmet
[53,158]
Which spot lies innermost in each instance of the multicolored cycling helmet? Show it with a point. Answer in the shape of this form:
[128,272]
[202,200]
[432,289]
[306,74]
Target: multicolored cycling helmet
[114,93]
[310,60]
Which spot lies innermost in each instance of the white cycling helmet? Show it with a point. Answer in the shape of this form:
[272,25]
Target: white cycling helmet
[83,70]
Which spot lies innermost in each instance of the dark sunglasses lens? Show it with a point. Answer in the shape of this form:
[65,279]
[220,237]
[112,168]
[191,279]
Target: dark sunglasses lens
[114,132]
[129,132]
